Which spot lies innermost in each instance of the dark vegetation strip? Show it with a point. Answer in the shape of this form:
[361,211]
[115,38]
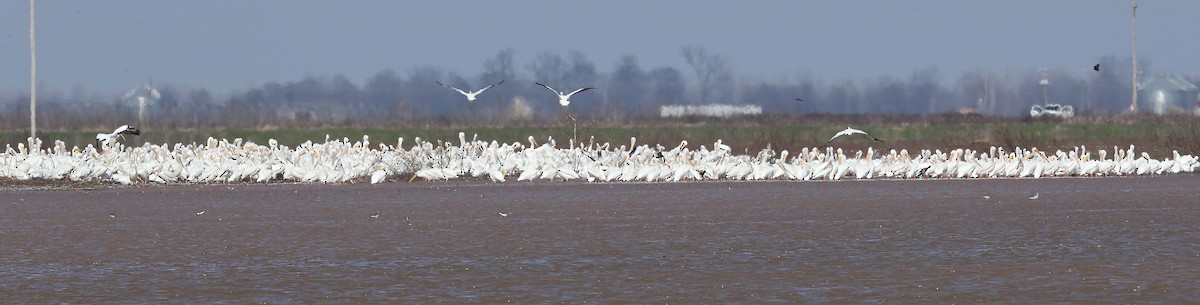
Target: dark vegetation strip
[1156,135]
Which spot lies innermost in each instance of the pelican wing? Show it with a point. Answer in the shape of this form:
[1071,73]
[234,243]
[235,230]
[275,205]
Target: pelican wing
[131,130]
[451,87]
[850,131]
[126,129]
[834,137]
[489,87]
[547,87]
[846,132]
[578,91]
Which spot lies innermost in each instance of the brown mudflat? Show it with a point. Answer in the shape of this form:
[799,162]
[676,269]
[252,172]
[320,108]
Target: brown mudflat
[1083,240]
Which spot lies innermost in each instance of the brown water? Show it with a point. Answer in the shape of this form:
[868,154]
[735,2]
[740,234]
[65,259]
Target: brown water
[1098,240]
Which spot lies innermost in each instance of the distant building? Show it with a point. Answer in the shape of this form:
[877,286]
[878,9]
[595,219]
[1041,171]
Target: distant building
[1167,93]
[1052,110]
[710,110]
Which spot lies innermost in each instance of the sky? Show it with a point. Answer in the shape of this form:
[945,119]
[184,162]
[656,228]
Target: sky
[231,45]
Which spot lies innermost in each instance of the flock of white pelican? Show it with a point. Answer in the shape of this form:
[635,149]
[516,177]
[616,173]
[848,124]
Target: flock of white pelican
[341,161]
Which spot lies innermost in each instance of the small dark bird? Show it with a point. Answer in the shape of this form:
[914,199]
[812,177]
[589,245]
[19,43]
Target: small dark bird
[799,100]
[1096,67]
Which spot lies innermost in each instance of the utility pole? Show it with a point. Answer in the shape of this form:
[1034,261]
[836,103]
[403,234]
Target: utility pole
[32,79]
[1133,107]
[1045,82]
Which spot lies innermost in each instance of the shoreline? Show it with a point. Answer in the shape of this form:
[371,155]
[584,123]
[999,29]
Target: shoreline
[45,185]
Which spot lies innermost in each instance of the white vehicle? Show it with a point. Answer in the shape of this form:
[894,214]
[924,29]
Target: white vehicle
[1054,110]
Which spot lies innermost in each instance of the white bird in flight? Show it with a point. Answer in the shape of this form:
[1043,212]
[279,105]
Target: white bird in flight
[503,214]
[200,213]
[564,99]
[851,131]
[1034,196]
[120,132]
[470,94]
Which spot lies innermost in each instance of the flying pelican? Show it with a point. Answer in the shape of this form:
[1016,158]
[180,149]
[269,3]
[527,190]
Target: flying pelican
[503,214]
[851,131]
[564,99]
[375,215]
[1096,67]
[470,94]
[107,138]
[1034,196]
[200,213]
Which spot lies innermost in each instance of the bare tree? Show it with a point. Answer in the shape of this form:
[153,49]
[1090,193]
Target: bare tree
[581,71]
[886,94]
[979,86]
[629,84]
[427,98]
[667,87]
[499,67]
[712,70]
[573,72]
[382,91]
[547,67]
[773,97]
[923,91]
[842,96]
[495,69]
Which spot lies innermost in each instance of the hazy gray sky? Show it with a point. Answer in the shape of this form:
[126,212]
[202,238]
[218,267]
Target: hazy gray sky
[228,45]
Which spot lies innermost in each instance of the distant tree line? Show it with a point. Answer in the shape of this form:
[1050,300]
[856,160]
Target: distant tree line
[626,91]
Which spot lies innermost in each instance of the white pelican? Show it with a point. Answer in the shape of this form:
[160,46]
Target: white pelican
[470,94]
[564,98]
[108,138]
[503,214]
[378,176]
[851,131]
[719,146]
[200,213]
[1034,196]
